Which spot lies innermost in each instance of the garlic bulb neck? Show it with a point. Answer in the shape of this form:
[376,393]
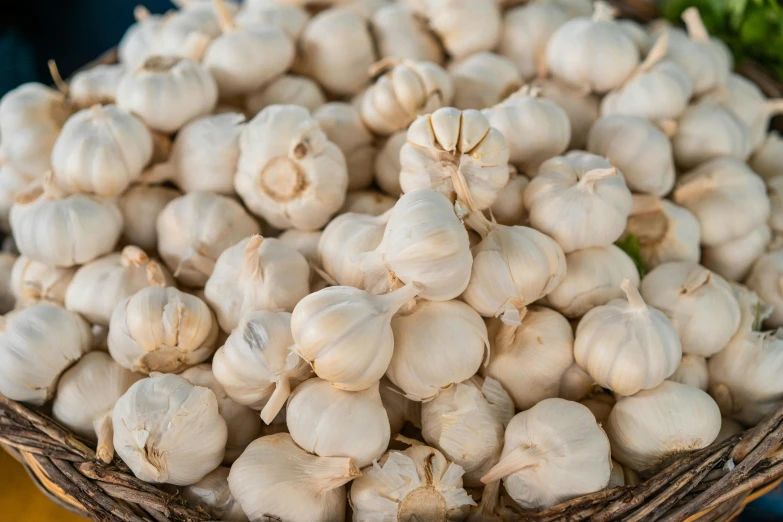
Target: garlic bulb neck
[251,263]
[52,189]
[328,473]
[54,72]
[519,459]
[133,256]
[634,297]
[589,180]
[160,63]
[155,275]
[603,12]
[479,223]
[696,281]
[278,398]
[396,299]
[656,54]
[774,107]
[224,16]
[695,26]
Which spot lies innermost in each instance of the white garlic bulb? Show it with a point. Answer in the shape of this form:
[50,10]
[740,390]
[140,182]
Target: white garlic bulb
[161,330]
[436,345]
[637,33]
[399,409]
[213,495]
[402,33]
[303,241]
[369,202]
[580,200]
[692,371]
[343,239]
[526,32]
[411,484]
[575,383]
[136,45]
[343,126]
[33,281]
[12,182]
[345,334]
[183,89]
[593,279]
[86,394]
[187,32]
[140,206]
[287,89]
[464,27]
[482,80]
[627,346]
[699,303]
[96,85]
[289,173]
[194,229]
[36,345]
[292,19]
[531,359]
[767,158]
[707,131]
[766,279]
[734,259]
[168,430]
[509,206]
[387,163]
[255,366]
[553,452]
[276,478]
[647,428]
[581,107]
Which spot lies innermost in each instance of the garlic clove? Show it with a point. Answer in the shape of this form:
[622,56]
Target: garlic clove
[33,281]
[692,371]
[287,89]
[344,239]
[96,85]
[213,495]
[400,32]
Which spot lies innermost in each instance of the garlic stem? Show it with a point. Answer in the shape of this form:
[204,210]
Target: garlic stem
[589,180]
[58,80]
[251,263]
[159,173]
[195,258]
[393,301]
[693,22]
[461,186]
[225,20]
[328,473]
[656,54]
[133,256]
[775,106]
[632,294]
[603,12]
[479,223]
[277,400]
[105,433]
[140,13]
[696,281]
[521,458]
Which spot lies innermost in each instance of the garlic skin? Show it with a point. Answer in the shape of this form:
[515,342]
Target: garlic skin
[627,346]
[600,405]
[734,259]
[580,200]
[343,126]
[33,281]
[638,148]
[276,478]
[464,27]
[291,19]
[727,198]
[96,85]
[655,424]
[345,334]
[194,229]
[256,273]
[700,305]
[140,206]
[303,241]
[553,452]
[482,80]
[136,45]
[185,91]
[766,159]
[593,279]
[582,108]
[213,495]
[12,183]
[692,371]
[405,485]
[186,33]
[287,89]
[36,345]
[335,423]
[436,344]
[369,202]
[168,430]
[707,131]
[255,366]
[161,330]
[343,239]
[399,409]
[525,34]
[766,279]
[86,394]
[387,163]
[509,206]
[289,173]
[402,33]
[7,298]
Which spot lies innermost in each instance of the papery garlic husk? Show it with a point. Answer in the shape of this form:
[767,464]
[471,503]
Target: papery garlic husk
[581,107]
[387,163]
[303,241]
[575,383]
[692,371]
[600,405]
[482,80]
[627,346]
[289,173]
[168,430]
[580,200]
[63,230]
[734,259]
[85,398]
[257,273]
[464,27]
[343,126]
[12,183]
[344,239]
[509,206]
[399,408]
[243,423]
[287,89]
[699,303]
[183,89]
[707,131]
[213,495]
[137,44]
[593,279]
[276,478]
[638,148]
[95,85]
[335,423]
[33,281]
[255,366]
[400,32]
[553,452]
[766,279]
[345,334]
[194,229]
[416,484]
[140,206]
[665,231]
[7,298]
[436,345]
[768,157]
[36,345]
[525,34]
[653,425]
[292,19]
[161,330]
[728,429]
[727,198]
[368,202]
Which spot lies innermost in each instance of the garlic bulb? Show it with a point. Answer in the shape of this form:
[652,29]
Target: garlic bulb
[168,430]
[512,267]
[403,90]
[36,345]
[580,200]
[525,34]
[627,346]
[464,27]
[33,281]
[593,279]
[457,153]
[536,128]
[289,173]
[727,198]
[418,483]
[530,360]
[255,366]
[553,452]
[161,330]
[637,33]
[707,131]
[343,126]
[303,241]
[140,206]
[653,425]
[256,274]
[401,33]
[370,202]
[436,345]
[575,383]
[243,424]
[436,255]
[600,405]
[692,371]
[509,206]
[291,19]
[276,478]
[767,158]
[343,239]
[7,298]
[96,85]
[194,229]
[287,89]
[188,32]
[12,183]
[345,334]
[766,279]
[212,495]
[399,409]
[572,8]
[85,398]
[183,89]
[136,45]
[734,259]
[482,80]
[581,107]
[387,163]
[638,148]
[699,303]
[665,231]
[58,229]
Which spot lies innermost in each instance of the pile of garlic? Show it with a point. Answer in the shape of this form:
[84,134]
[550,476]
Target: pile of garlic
[289,254]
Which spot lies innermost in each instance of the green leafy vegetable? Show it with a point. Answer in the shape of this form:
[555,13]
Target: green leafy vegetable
[630,245]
